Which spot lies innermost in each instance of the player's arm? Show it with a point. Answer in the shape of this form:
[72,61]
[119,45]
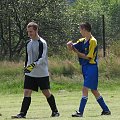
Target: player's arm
[70,45]
[29,68]
[92,47]
[90,55]
[81,55]
[42,55]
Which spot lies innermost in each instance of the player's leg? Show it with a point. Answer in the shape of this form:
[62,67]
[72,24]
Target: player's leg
[29,85]
[51,101]
[44,85]
[84,92]
[25,104]
[101,102]
[82,103]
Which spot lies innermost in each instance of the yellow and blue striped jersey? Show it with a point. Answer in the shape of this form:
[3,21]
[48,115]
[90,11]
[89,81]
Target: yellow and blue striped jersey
[89,48]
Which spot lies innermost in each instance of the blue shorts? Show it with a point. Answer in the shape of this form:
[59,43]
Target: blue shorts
[90,75]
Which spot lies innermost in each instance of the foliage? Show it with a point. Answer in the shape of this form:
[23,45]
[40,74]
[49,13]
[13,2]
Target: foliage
[16,14]
[92,11]
[58,20]
[64,71]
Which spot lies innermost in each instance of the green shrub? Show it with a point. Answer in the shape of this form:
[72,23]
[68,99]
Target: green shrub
[114,48]
[109,66]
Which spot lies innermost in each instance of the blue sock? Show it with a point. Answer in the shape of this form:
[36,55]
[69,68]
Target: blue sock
[82,104]
[102,103]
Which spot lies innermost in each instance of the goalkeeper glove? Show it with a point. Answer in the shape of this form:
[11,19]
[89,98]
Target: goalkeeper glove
[29,68]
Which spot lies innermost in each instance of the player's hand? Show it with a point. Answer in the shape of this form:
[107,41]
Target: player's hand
[69,45]
[29,68]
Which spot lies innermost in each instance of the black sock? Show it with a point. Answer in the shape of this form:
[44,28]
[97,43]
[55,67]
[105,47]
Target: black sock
[25,105]
[52,104]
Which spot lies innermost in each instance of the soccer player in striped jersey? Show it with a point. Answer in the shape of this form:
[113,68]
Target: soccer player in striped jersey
[86,50]
[36,72]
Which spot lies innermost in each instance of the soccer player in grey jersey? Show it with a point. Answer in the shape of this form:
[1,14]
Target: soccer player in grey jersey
[36,72]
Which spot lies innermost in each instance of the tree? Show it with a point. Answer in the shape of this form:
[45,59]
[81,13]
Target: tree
[16,14]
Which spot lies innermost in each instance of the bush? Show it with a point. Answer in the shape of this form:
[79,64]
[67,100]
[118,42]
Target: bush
[61,67]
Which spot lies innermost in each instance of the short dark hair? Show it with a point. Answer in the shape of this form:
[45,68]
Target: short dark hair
[86,26]
[33,24]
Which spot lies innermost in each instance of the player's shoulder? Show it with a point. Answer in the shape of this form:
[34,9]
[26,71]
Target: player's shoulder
[27,41]
[80,40]
[93,40]
[42,40]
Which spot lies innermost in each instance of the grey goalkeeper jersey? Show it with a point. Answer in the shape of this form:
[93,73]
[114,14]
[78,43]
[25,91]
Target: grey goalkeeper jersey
[36,52]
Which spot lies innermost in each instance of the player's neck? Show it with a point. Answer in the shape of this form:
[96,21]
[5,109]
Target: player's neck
[88,36]
[37,37]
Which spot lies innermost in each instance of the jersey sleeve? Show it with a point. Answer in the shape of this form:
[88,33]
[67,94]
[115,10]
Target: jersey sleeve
[92,47]
[26,54]
[78,44]
[42,55]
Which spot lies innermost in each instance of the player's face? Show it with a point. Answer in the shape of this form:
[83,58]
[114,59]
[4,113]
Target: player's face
[31,32]
[82,31]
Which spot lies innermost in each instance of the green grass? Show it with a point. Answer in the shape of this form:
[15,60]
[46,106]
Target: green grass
[14,85]
[67,103]
[66,84]
[64,73]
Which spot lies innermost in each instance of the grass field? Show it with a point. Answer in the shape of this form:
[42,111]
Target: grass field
[66,80]
[67,103]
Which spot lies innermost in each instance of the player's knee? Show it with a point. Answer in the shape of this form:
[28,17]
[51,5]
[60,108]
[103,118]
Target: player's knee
[27,92]
[85,91]
[46,93]
[95,93]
